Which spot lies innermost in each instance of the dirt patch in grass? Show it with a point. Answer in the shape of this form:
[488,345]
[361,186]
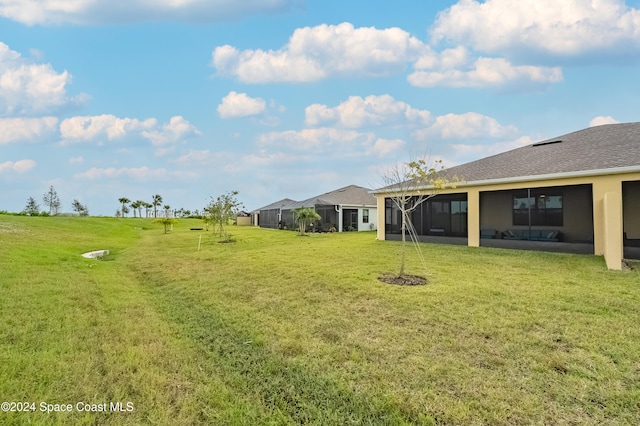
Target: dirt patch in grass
[404,279]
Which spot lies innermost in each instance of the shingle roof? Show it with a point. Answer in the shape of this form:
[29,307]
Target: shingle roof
[285,203]
[349,195]
[596,148]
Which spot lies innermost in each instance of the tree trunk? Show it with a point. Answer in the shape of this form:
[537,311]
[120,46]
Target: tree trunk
[404,242]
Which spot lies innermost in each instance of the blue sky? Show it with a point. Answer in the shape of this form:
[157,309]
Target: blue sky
[291,98]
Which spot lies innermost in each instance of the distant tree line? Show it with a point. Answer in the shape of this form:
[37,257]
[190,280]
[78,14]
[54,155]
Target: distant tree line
[154,209]
[52,202]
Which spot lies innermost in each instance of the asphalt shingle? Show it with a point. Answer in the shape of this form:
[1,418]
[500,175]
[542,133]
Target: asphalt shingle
[596,148]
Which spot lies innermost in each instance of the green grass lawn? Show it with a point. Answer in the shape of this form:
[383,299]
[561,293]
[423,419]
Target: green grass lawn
[280,329]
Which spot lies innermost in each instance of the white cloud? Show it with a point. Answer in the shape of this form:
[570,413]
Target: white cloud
[236,105]
[26,129]
[202,157]
[315,53]
[600,120]
[76,160]
[177,129]
[551,27]
[89,128]
[136,173]
[29,88]
[95,128]
[268,159]
[465,126]
[318,141]
[20,166]
[329,143]
[384,147]
[357,112]
[486,72]
[468,152]
[88,12]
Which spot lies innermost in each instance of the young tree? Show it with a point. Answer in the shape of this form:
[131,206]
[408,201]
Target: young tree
[77,207]
[409,185]
[167,222]
[305,216]
[51,200]
[223,210]
[32,208]
[156,200]
[124,201]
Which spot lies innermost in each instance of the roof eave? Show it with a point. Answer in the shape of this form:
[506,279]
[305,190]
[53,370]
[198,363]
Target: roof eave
[532,178]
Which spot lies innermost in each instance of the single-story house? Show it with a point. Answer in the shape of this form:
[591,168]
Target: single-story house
[582,188]
[270,216]
[352,208]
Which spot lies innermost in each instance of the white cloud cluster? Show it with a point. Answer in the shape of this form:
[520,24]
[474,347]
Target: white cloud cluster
[88,128]
[29,88]
[468,152]
[600,120]
[236,105]
[315,53]
[329,142]
[316,140]
[26,129]
[137,173]
[465,126]
[549,27]
[20,166]
[88,12]
[95,128]
[358,112]
[486,72]
[175,130]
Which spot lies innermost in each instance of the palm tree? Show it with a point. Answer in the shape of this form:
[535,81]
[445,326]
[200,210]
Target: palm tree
[156,200]
[146,206]
[166,208]
[135,206]
[139,204]
[305,216]
[124,201]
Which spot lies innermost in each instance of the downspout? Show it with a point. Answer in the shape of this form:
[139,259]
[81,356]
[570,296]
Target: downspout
[338,208]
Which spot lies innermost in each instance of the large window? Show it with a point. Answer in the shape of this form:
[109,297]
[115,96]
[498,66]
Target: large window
[538,209]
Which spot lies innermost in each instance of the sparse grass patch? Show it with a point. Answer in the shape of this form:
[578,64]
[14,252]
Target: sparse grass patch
[255,333]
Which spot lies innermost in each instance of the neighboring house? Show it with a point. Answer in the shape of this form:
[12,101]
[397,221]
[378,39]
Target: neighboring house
[243,218]
[580,188]
[270,216]
[352,208]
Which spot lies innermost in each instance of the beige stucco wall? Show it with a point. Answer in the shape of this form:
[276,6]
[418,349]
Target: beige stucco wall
[473,217]
[606,211]
[380,234]
[612,229]
[243,220]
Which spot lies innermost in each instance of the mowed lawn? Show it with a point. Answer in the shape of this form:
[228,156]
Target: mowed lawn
[281,329]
